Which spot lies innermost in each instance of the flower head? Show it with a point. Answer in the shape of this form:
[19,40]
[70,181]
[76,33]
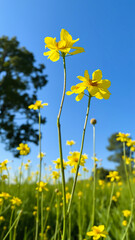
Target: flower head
[70,143]
[74,158]
[55,175]
[58,163]
[113,175]
[126,213]
[122,137]
[96,86]
[16,201]
[56,49]
[37,105]
[97,232]
[23,148]
[41,186]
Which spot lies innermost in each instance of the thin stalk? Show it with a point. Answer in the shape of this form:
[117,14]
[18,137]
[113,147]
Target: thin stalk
[109,207]
[48,212]
[126,230]
[42,215]
[37,217]
[126,172]
[94,180]
[16,220]
[69,230]
[61,155]
[14,237]
[10,223]
[20,177]
[78,165]
[57,218]
[80,222]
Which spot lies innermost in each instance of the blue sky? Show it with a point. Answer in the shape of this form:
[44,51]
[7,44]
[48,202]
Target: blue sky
[106,31]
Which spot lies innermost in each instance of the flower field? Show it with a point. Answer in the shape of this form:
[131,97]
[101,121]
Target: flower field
[44,205]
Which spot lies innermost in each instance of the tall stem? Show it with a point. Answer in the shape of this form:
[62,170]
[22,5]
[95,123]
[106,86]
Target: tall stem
[78,165]
[61,155]
[126,172]
[37,217]
[109,207]
[94,180]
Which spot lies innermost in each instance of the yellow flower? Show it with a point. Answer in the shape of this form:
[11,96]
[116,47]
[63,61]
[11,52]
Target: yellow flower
[16,201]
[127,159]
[42,155]
[101,182]
[5,195]
[85,169]
[96,86]
[68,196]
[47,209]
[2,219]
[55,175]
[113,175]
[126,213]
[117,194]
[122,137]
[1,201]
[62,47]
[124,223]
[58,163]
[95,159]
[97,232]
[23,148]
[80,194]
[37,105]
[41,186]
[74,158]
[114,198]
[130,143]
[70,143]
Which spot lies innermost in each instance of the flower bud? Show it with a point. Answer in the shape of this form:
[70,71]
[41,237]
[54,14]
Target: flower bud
[93,121]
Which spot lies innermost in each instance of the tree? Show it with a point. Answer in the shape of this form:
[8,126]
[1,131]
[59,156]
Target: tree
[19,81]
[117,148]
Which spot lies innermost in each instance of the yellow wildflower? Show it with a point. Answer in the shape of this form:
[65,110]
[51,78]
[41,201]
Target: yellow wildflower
[113,175]
[5,195]
[97,232]
[85,169]
[117,194]
[70,143]
[2,219]
[23,148]
[96,86]
[1,201]
[74,158]
[124,223]
[68,196]
[16,201]
[122,137]
[55,175]
[41,186]
[80,194]
[47,209]
[114,198]
[126,213]
[37,105]
[42,155]
[62,47]
[58,164]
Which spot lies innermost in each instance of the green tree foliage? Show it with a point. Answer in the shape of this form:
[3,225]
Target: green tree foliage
[19,81]
[117,148]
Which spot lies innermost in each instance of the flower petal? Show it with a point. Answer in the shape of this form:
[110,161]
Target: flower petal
[64,35]
[79,97]
[50,42]
[86,75]
[97,75]
[69,93]
[78,50]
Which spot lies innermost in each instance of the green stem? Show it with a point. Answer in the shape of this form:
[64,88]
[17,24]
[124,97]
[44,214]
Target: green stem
[48,212]
[20,175]
[78,165]
[16,220]
[94,180]
[61,155]
[37,217]
[42,215]
[14,237]
[126,231]
[69,232]
[10,223]
[109,207]
[126,172]
[40,146]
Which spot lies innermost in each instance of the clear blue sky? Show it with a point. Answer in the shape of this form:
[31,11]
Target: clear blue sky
[106,31]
